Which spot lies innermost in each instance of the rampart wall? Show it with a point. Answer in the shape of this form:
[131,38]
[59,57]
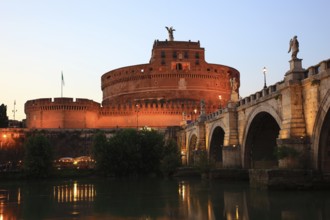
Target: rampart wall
[84,113]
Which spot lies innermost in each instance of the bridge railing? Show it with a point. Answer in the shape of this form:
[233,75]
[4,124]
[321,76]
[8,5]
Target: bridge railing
[314,70]
[253,98]
[215,115]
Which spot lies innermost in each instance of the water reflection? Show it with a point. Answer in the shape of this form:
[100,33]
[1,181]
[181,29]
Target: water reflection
[74,192]
[199,205]
[157,199]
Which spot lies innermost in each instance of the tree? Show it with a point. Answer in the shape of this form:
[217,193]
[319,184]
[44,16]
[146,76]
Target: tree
[129,152]
[38,160]
[124,154]
[152,146]
[171,158]
[3,116]
[100,148]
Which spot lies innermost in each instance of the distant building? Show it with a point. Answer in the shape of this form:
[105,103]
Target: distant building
[164,92]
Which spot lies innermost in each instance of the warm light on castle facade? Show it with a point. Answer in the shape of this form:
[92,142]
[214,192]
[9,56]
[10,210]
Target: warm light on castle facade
[166,90]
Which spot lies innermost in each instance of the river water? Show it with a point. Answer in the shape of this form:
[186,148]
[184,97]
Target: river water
[157,199]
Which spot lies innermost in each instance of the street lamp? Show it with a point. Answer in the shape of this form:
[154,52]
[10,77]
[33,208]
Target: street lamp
[137,109]
[195,111]
[264,70]
[220,99]
[3,140]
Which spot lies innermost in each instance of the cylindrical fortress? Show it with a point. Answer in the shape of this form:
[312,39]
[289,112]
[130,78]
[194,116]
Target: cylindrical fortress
[167,91]
[177,71]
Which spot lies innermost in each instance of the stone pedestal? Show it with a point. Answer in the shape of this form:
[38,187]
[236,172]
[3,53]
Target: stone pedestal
[234,96]
[296,71]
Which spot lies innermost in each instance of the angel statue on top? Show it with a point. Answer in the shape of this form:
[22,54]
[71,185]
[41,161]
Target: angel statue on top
[170,33]
[294,47]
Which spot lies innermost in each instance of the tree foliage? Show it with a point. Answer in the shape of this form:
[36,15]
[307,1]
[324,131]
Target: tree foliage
[3,116]
[38,159]
[129,153]
[171,159]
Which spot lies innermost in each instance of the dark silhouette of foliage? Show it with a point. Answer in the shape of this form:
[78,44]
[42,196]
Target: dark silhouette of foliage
[152,144]
[38,160]
[129,153]
[100,151]
[3,116]
[171,158]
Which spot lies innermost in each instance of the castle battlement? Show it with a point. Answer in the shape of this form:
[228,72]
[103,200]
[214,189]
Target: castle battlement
[152,106]
[61,103]
[176,44]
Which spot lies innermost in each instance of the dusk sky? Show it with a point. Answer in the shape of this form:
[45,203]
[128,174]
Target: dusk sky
[85,39]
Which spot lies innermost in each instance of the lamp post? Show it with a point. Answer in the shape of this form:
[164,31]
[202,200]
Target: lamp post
[220,100]
[264,70]
[137,109]
[195,111]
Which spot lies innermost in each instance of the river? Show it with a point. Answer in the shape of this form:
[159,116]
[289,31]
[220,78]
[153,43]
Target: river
[156,199]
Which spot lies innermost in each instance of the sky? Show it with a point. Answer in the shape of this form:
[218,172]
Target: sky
[85,39]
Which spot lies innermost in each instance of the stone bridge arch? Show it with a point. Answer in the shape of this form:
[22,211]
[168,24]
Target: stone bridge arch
[259,137]
[216,141]
[321,137]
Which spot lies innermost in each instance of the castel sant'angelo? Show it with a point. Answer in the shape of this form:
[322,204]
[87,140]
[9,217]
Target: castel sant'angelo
[167,91]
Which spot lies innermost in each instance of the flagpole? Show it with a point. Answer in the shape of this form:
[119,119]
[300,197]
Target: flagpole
[62,81]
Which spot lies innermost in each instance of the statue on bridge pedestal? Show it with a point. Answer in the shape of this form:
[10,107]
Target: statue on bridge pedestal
[202,103]
[294,47]
[296,70]
[234,92]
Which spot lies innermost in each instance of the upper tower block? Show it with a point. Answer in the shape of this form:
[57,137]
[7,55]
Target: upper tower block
[178,55]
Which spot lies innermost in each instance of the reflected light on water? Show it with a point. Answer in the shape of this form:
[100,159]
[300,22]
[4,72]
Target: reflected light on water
[19,196]
[182,190]
[74,193]
[1,210]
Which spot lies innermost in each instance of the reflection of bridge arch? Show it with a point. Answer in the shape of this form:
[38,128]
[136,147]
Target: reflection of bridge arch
[259,140]
[192,146]
[321,136]
[217,136]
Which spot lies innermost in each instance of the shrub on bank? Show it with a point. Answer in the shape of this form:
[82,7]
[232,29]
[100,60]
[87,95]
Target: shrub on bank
[38,159]
[134,153]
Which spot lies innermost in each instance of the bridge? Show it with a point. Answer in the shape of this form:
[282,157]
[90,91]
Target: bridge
[250,132]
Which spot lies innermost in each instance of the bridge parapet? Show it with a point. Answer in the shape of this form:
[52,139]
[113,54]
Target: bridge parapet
[260,96]
[319,68]
[215,115]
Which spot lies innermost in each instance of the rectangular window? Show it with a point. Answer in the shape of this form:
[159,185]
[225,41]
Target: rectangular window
[162,54]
